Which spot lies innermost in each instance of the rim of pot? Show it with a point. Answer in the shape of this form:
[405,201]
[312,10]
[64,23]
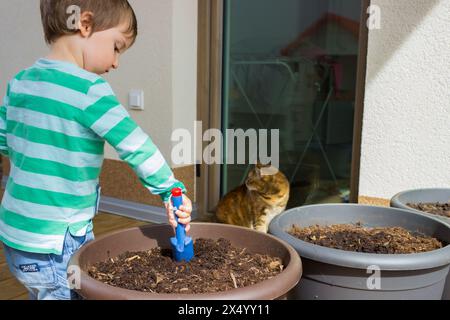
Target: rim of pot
[245,293]
[398,203]
[358,260]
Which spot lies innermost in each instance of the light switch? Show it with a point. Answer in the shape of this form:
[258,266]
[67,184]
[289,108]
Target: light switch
[136,100]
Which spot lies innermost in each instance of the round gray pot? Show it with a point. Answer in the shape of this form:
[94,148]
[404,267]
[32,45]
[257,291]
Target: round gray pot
[442,195]
[400,200]
[337,274]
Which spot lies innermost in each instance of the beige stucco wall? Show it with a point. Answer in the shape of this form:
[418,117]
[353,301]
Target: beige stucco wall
[184,66]
[163,61]
[21,39]
[406,129]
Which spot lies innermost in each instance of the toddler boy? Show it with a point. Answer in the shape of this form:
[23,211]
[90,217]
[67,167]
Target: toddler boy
[55,120]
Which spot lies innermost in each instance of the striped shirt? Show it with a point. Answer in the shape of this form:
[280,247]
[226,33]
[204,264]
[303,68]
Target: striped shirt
[54,122]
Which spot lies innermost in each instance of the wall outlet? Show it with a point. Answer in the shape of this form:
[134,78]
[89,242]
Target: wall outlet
[136,100]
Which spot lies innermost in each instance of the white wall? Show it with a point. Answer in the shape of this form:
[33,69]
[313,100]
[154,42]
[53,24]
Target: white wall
[184,66]
[148,66]
[406,129]
[21,38]
[162,62]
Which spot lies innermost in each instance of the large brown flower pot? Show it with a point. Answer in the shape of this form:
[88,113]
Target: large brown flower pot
[148,237]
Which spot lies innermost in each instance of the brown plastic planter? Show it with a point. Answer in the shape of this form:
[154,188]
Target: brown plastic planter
[145,238]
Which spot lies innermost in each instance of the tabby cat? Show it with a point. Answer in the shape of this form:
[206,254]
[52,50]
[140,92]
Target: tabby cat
[263,196]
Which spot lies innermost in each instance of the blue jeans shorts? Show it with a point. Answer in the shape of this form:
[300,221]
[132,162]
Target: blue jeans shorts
[45,275]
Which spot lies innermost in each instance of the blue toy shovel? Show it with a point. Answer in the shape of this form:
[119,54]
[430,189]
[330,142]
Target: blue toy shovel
[182,246]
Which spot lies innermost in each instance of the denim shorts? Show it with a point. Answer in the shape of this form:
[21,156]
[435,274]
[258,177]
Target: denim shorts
[45,275]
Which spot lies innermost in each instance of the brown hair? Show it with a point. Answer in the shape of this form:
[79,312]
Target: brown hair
[107,14]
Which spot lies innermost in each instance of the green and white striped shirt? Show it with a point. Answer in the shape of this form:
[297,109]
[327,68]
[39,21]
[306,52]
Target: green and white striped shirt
[53,126]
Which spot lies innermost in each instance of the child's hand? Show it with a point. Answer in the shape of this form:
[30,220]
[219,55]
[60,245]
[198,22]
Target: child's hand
[183,213]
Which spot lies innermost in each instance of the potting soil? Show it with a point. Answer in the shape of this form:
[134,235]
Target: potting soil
[216,267]
[440,209]
[355,237]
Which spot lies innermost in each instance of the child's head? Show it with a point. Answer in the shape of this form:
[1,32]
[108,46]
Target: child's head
[100,30]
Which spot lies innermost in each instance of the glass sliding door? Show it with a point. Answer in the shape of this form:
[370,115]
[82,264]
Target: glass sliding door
[292,65]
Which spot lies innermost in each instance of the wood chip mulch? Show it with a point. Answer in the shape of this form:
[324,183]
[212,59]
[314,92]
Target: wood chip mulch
[217,266]
[356,238]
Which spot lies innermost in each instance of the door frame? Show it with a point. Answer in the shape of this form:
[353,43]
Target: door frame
[359,102]
[209,97]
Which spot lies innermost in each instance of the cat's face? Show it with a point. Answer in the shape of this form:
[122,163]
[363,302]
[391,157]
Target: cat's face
[267,181]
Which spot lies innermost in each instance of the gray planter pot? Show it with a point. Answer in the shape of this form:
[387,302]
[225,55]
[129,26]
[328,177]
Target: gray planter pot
[401,200]
[337,274]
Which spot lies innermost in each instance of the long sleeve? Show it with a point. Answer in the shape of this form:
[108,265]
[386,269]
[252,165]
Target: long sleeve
[109,120]
[3,144]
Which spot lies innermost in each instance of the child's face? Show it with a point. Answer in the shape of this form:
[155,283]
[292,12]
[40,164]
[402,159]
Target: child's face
[102,50]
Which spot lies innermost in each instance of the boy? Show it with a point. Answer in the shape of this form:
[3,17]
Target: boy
[55,120]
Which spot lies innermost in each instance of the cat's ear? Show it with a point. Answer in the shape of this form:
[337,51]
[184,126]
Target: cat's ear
[258,170]
[250,186]
[260,165]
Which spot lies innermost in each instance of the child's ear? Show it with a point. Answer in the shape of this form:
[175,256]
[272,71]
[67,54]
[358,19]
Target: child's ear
[85,24]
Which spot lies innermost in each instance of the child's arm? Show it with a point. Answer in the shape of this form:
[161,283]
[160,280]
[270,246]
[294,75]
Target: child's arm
[109,119]
[3,145]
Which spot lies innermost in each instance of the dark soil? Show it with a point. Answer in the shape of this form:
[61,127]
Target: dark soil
[349,237]
[440,209]
[216,267]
